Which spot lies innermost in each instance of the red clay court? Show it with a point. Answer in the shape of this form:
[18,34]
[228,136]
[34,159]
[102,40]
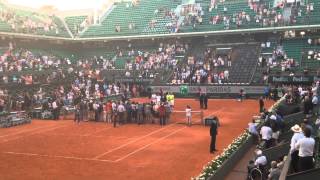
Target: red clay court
[63,150]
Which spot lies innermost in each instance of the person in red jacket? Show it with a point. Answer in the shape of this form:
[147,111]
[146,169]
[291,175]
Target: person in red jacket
[108,110]
[162,115]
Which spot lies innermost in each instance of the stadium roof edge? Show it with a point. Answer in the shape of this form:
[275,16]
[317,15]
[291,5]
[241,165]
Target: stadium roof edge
[204,33]
[224,32]
[21,35]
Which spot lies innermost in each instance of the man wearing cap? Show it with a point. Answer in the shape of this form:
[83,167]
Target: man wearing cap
[293,151]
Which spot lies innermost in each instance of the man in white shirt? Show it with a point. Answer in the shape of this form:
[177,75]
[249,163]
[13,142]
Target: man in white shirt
[154,98]
[261,161]
[315,104]
[96,110]
[253,130]
[158,98]
[293,151]
[121,111]
[306,147]
[266,135]
[226,75]
[55,110]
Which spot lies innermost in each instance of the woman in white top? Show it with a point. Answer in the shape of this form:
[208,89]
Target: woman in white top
[188,115]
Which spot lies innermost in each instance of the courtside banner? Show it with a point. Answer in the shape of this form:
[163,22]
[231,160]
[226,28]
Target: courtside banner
[293,79]
[212,89]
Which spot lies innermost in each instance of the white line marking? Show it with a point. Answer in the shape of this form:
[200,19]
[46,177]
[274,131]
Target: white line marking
[130,142]
[158,140]
[26,130]
[57,156]
[41,131]
[144,147]
[95,159]
[83,135]
[101,130]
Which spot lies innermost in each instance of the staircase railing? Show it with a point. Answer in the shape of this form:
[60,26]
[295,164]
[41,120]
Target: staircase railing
[255,68]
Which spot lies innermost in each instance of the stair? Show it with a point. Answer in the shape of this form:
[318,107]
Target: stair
[245,59]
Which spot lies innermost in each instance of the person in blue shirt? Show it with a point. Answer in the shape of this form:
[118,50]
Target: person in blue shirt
[266,92]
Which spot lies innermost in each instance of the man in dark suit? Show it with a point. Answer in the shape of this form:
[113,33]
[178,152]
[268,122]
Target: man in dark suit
[205,101]
[201,100]
[213,134]
[261,105]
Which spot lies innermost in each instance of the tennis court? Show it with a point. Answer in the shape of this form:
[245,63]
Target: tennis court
[64,150]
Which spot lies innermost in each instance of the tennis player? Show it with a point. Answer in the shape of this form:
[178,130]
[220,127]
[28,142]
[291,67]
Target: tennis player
[188,115]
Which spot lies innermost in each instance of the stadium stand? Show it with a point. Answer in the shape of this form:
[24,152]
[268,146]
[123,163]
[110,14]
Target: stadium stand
[25,21]
[117,22]
[164,17]
[75,23]
[279,153]
[87,63]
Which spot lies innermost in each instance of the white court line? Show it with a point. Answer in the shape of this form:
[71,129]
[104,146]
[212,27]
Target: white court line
[83,135]
[146,146]
[130,142]
[101,130]
[27,130]
[158,140]
[43,130]
[94,159]
[57,156]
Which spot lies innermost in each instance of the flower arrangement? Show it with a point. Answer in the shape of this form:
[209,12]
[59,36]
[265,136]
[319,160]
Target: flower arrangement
[275,106]
[217,162]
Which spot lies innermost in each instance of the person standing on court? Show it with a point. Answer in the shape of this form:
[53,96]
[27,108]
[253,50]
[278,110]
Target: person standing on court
[55,111]
[261,105]
[213,134]
[114,114]
[201,100]
[188,115]
[96,111]
[205,101]
[121,110]
[82,108]
[241,95]
[162,114]
[77,114]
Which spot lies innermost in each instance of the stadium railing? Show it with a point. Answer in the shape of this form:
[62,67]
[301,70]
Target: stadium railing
[172,35]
